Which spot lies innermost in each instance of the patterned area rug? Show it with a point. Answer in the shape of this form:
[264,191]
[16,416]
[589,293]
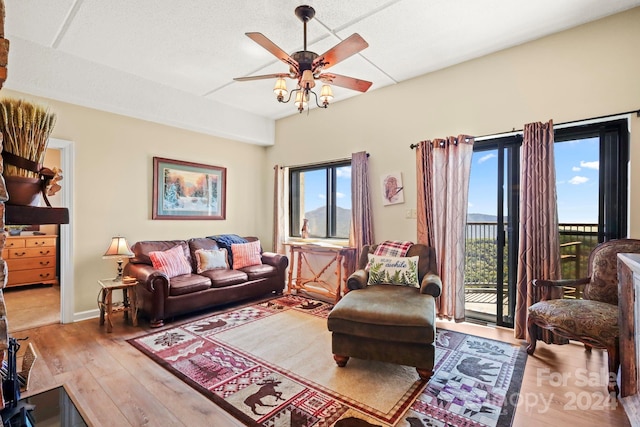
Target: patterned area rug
[270,364]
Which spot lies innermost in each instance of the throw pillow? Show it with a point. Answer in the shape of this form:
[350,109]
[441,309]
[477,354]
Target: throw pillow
[393,270]
[211,259]
[172,261]
[246,254]
[393,248]
[225,241]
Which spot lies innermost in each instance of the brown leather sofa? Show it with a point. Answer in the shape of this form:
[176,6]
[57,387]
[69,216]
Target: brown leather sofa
[161,298]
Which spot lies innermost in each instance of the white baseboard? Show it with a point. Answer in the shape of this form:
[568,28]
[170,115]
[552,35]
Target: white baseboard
[86,315]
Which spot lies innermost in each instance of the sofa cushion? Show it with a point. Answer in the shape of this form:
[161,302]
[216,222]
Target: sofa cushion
[393,270]
[172,261]
[199,243]
[225,241]
[221,278]
[260,271]
[188,283]
[210,259]
[141,249]
[246,254]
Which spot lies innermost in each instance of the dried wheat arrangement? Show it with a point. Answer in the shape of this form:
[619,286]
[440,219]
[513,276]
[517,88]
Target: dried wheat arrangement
[25,129]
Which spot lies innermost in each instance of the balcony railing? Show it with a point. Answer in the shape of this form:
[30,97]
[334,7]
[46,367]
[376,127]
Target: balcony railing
[576,242]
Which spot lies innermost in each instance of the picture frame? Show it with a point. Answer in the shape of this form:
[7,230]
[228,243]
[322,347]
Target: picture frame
[392,188]
[186,190]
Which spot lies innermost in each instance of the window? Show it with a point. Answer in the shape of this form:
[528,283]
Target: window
[321,194]
[591,182]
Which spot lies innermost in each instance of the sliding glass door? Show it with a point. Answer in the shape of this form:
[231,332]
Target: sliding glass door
[492,231]
[591,182]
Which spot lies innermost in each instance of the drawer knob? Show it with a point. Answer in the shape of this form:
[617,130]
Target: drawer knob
[19,253]
[44,263]
[45,275]
[44,252]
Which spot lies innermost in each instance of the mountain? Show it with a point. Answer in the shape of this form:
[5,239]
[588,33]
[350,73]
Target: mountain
[478,217]
[318,222]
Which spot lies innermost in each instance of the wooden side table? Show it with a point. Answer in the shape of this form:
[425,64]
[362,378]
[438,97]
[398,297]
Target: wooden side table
[333,265]
[108,307]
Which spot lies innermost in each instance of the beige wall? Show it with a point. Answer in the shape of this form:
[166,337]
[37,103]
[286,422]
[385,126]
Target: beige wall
[582,73]
[113,185]
[563,77]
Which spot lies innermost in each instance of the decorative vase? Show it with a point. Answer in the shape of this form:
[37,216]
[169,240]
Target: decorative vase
[305,229]
[22,190]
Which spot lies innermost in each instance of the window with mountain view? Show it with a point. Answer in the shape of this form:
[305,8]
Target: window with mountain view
[322,195]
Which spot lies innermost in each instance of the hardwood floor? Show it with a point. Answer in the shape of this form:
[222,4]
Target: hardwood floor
[116,385]
[32,306]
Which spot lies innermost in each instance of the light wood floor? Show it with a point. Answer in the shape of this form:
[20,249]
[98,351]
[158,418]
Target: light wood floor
[116,385]
[32,306]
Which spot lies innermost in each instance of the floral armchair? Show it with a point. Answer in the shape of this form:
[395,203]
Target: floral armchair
[592,320]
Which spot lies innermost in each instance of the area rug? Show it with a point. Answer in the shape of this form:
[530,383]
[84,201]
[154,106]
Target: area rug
[270,364]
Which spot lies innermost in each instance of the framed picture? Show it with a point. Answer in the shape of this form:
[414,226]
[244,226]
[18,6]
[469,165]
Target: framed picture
[185,190]
[392,189]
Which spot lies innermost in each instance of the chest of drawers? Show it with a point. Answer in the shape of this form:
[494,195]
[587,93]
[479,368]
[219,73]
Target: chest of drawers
[30,260]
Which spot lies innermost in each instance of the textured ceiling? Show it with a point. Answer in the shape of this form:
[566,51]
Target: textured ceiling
[174,61]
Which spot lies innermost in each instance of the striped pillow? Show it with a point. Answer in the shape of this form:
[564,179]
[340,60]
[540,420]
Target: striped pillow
[173,262]
[246,254]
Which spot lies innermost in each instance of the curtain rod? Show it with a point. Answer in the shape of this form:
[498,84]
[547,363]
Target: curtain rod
[412,146]
[327,163]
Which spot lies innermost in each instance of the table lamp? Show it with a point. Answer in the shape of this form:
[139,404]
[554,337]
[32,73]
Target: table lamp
[118,249]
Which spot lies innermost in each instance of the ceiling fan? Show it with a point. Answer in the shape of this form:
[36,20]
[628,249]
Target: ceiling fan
[306,67]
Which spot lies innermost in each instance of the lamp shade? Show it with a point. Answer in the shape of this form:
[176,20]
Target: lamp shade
[326,94]
[119,248]
[280,89]
[307,81]
[301,100]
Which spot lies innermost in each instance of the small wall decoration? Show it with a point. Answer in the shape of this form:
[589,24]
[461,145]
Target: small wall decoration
[392,189]
[185,190]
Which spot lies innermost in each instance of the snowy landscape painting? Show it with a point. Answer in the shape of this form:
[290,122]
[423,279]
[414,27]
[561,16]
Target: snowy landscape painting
[186,190]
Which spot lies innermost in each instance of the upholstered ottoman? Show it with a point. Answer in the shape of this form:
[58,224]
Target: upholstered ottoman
[394,324]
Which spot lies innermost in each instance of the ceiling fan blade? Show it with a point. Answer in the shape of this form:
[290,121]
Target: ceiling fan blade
[263,41]
[262,77]
[347,47]
[344,81]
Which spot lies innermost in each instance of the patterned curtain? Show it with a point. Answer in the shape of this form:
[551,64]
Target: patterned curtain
[539,251]
[361,218]
[280,203]
[443,169]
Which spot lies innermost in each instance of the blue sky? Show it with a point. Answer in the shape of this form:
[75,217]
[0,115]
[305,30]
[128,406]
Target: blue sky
[315,188]
[576,181]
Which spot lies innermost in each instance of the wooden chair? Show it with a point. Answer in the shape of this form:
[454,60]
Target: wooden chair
[592,320]
[24,374]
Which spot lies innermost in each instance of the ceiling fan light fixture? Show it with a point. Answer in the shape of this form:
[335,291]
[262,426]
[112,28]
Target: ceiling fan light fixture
[280,89]
[307,81]
[302,100]
[306,67]
[326,95]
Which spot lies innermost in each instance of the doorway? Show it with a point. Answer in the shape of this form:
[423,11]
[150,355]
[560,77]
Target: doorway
[591,164]
[63,306]
[492,231]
